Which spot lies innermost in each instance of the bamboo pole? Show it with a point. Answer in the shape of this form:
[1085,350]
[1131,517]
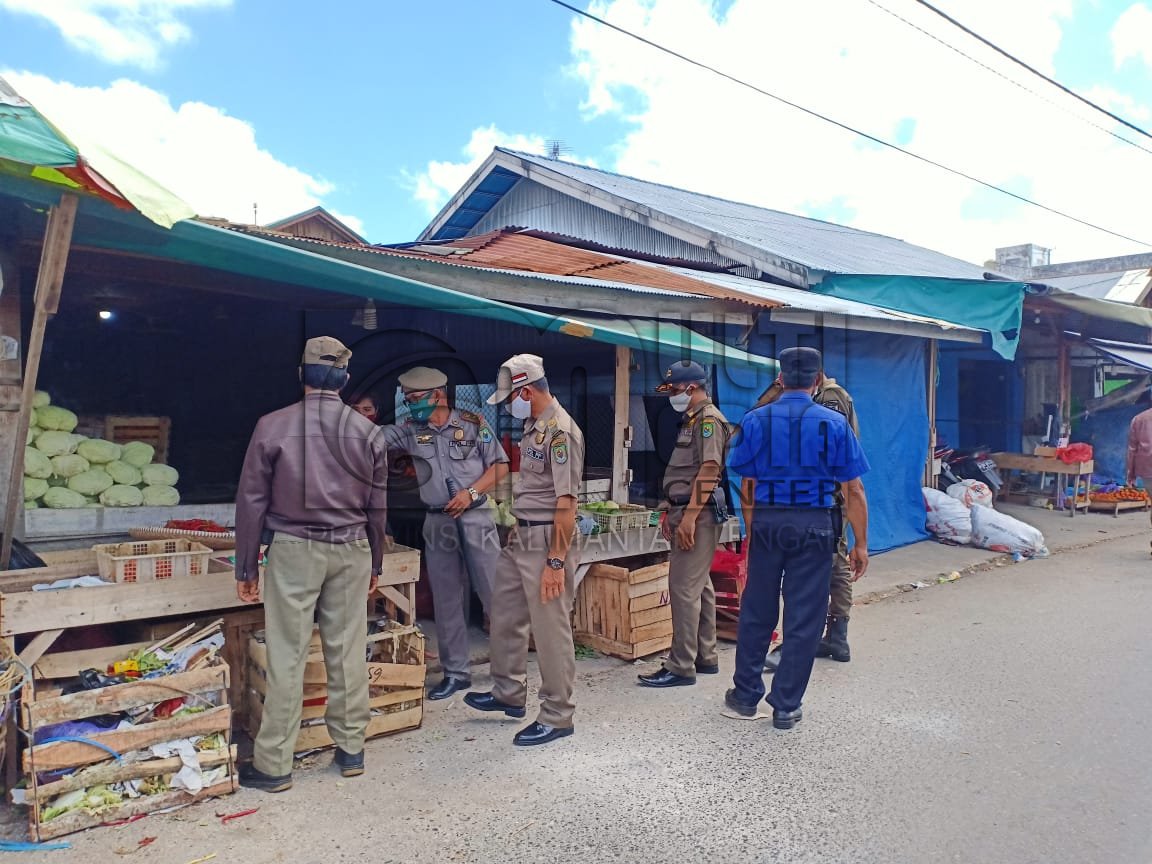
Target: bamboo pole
[49,280]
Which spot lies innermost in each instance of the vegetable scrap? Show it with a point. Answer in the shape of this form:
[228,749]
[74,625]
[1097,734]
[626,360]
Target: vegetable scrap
[226,818]
[206,525]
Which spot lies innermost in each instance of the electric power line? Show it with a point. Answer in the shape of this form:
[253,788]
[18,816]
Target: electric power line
[1013,81]
[1034,70]
[844,126]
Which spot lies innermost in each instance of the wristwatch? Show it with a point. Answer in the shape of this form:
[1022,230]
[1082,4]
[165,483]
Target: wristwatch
[377,571]
[475,495]
[556,563]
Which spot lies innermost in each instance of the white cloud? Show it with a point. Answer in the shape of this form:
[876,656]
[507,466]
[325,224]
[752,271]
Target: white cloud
[353,222]
[1132,35]
[691,129]
[211,160]
[119,31]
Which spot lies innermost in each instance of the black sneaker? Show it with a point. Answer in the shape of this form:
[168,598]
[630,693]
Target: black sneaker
[741,708]
[350,765]
[253,778]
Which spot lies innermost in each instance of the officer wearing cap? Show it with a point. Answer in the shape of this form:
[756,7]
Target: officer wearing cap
[695,515]
[792,454]
[834,643]
[535,580]
[313,482]
[458,461]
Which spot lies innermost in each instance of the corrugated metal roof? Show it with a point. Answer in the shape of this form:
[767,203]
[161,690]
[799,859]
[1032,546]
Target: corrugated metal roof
[1124,286]
[810,243]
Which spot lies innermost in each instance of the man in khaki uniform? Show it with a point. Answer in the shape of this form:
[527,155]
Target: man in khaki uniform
[691,524]
[458,460]
[314,483]
[834,644]
[535,580]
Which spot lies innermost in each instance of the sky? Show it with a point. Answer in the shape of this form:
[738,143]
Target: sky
[380,110]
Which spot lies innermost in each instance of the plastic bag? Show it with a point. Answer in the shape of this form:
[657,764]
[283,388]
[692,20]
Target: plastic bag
[1073,453]
[971,493]
[947,518]
[1002,533]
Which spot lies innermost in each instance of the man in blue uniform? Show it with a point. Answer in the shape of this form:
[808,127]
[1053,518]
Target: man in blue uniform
[792,454]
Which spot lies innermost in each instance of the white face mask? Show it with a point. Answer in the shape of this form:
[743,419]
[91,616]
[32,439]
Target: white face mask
[521,408]
[680,401]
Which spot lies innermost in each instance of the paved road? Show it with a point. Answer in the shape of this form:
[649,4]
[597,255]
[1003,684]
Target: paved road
[1003,718]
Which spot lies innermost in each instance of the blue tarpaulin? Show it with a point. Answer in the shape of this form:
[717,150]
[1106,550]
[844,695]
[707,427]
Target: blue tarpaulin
[989,305]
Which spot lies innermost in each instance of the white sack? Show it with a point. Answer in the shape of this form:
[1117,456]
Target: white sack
[948,519]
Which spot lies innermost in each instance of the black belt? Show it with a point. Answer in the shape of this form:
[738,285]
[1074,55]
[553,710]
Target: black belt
[531,523]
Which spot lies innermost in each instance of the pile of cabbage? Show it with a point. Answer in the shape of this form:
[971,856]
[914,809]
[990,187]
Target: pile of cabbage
[63,470]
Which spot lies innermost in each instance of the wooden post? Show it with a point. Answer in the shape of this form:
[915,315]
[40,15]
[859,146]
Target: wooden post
[49,280]
[930,396]
[1064,362]
[10,342]
[621,431]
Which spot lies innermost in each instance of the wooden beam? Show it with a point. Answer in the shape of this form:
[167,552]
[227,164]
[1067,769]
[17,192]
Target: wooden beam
[49,280]
[621,431]
[930,393]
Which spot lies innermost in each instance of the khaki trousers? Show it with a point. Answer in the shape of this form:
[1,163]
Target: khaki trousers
[517,611]
[328,582]
[840,597]
[692,597]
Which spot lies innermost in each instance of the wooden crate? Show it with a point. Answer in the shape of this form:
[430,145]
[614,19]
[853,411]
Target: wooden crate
[396,673]
[624,612]
[92,765]
[150,430]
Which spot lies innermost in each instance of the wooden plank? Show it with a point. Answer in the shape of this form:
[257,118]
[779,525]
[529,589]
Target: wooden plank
[602,570]
[379,674]
[621,431]
[316,736]
[652,646]
[648,574]
[46,524]
[649,601]
[606,646]
[121,697]
[314,712]
[650,616]
[36,648]
[116,772]
[650,632]
[47,757]
[78,820]
[656,586]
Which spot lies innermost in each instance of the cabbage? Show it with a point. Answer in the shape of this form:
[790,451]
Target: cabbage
[33,432]
[160,475]
[160,496]
[69,465]
[34,488]
[40,399]
[55,417]
[124,474]
[91,482]
[122,496]
[99,452]
[36,464]
[59,498]
[137,454]
[31,505]
[54,443]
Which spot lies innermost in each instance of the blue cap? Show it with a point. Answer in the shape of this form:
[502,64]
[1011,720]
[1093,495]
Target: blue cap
[683,372]
[799,366]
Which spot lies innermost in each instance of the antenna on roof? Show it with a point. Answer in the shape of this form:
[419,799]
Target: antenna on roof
[556,148]
[255,221]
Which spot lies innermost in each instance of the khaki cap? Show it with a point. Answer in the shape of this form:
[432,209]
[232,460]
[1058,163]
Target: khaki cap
[516,371]
[423,378]
[326,351]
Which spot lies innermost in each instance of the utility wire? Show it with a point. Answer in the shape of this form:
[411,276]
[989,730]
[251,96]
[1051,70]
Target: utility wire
[1013,81]
[1034,70]
[874,139]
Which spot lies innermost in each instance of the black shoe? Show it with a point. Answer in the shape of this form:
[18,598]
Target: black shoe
[837,640]
[447,687]
[786,719]
[539,733]
[664,678]
[252,778]
[488,702]
[741,708]
[350,765]
[772,662]
[707,668]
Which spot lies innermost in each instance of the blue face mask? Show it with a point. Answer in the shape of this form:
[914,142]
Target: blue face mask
[421,409]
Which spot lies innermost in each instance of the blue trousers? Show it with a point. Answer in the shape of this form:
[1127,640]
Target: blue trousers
[791,552]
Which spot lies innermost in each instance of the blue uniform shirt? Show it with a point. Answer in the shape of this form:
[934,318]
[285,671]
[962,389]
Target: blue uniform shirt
[796,451]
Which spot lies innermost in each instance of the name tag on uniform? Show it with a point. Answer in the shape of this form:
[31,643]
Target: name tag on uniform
[534,454]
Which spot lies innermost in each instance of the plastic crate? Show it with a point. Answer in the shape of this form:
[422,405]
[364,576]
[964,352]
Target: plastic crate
[629,516]
[152,560]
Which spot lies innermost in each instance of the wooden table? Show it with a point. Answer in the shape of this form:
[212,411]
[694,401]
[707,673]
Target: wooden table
[1047,465]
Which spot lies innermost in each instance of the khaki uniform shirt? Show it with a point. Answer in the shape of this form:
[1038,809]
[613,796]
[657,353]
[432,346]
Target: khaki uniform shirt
[829,394]
[463,449]
[704,435]
[551,464]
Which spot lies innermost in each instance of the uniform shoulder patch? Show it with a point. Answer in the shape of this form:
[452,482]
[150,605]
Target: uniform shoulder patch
[708,427]
[836,405]
[485,434]
[559,450]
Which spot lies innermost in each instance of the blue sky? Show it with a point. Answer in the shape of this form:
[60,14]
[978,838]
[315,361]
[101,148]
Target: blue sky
[372,110]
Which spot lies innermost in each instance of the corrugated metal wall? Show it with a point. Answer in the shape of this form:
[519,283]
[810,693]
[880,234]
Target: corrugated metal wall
[531,205]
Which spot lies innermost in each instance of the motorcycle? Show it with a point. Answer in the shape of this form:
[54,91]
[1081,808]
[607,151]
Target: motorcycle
[977,464]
